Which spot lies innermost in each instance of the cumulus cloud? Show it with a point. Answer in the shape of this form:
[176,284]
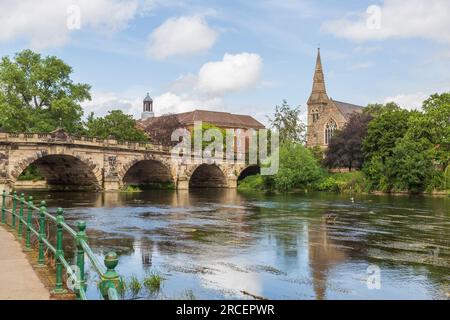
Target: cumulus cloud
[232,73]
[412,101]
[427,19]
[49,23]
[181,36]
[170,102]
[103,102]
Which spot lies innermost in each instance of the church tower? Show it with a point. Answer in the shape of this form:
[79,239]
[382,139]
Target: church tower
[317,103]
[148,108]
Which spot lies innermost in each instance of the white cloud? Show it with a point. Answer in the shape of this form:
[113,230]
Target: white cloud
[412,101]
[170,102]
[103,102]
[362,65]
[44,23]
[181,36]
[427,19]
[233,73]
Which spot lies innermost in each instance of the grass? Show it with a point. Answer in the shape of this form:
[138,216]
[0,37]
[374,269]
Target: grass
[153,282]
[134,285]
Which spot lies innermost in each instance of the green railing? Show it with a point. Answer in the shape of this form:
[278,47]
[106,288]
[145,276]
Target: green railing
[22,221]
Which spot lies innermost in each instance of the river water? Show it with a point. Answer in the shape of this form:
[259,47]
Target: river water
[214,244]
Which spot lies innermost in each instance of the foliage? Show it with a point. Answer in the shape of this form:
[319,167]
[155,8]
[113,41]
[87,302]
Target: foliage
[252,183]
[160,129]
[411,165]
[205,127]
[153,282]
[31,173]
[298,169]
[345,148]
[134,285]
[408,150]
[318,153]
[287,122]
[116,125]
[383,132]
[344,182]
[38,95]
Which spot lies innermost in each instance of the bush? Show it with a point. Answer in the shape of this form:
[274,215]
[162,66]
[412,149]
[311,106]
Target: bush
[252,183]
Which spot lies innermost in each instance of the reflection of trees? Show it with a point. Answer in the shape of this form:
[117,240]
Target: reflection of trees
[323,255]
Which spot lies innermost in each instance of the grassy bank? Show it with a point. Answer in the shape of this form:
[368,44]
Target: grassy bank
[348,182]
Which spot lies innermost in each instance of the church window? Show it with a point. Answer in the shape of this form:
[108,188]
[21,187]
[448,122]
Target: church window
[330,129]
[315,115]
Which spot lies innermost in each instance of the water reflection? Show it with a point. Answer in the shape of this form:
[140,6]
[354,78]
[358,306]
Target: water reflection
[220,243]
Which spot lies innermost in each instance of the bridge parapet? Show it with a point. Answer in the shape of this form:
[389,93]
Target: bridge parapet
[38,138]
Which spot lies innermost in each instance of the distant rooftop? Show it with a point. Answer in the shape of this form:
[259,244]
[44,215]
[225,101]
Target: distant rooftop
[220,119]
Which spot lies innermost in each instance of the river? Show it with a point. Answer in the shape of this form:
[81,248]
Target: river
[214,244]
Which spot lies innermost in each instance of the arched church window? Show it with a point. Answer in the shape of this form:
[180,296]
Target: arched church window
[315,115]
[330,129]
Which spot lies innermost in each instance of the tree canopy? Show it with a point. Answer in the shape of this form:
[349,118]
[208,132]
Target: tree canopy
[345,147]
[286,121]
[38,95]
[115,125]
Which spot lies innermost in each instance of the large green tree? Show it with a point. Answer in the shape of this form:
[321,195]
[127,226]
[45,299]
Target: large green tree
[37,94]
[299,169]
[116,125]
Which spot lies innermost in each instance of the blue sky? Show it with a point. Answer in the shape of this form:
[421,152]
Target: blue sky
[237,56]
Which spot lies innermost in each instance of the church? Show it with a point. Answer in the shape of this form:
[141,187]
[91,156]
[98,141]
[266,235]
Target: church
[325,115]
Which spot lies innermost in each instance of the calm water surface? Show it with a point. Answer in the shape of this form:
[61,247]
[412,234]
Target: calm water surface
[213,244]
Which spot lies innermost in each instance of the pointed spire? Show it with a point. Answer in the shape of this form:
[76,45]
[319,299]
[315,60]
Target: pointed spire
[319,91]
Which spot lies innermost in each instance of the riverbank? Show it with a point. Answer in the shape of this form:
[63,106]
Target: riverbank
[345,182]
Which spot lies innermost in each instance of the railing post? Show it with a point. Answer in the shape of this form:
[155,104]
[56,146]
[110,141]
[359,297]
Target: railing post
[20,229]
[111,278]
[41,258]
[81,235]
[29,222]
[13,218]
[4,207]
[59,289]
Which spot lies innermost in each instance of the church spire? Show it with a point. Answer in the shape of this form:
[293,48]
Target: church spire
[319,91]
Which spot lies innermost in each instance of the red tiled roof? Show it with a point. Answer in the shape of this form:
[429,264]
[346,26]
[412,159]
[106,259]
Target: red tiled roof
[220,119]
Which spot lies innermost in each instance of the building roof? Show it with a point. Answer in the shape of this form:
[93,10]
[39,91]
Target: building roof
[148,98]
[220,119]
[347,108]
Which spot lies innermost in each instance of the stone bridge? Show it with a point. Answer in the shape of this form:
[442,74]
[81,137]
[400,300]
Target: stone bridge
[69,162]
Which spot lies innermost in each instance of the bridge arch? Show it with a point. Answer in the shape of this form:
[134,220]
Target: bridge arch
[147,173]
[250,170]
[207,176]
[63,171]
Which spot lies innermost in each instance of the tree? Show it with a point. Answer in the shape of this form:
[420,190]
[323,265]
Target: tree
[287,122]
[388,126]
[117,125]
[345,148]
[298,169]
[38,95]
[160,129]
[411,165]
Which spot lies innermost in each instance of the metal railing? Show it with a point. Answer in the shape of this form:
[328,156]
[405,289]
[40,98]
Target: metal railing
[22,221]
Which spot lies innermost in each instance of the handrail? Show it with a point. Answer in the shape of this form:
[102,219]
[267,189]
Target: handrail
[110,281]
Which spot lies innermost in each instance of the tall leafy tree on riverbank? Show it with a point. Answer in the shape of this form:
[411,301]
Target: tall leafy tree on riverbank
[37,94]
[286,121]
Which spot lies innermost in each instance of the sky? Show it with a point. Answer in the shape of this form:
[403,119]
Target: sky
[237,56]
